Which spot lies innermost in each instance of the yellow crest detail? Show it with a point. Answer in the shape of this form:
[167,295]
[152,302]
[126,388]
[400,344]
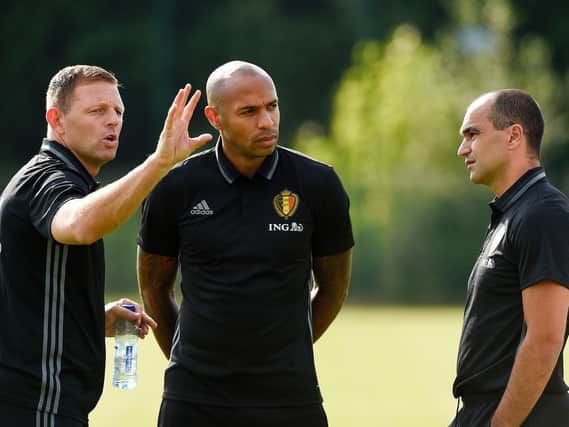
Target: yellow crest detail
[286,203]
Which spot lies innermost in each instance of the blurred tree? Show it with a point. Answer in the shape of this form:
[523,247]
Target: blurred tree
[548,18]
[394,136]
[155,47]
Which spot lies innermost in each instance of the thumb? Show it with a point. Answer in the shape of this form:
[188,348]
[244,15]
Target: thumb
[201,140]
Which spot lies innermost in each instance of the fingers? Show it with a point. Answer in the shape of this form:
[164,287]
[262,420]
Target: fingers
[169,122]
[177,107]
[139,317]
[148,321]
[191,106]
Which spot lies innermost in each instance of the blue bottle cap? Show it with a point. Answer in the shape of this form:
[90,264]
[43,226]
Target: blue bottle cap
[130,307]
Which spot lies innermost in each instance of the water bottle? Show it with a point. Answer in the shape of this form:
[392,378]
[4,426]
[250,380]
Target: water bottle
[126,349]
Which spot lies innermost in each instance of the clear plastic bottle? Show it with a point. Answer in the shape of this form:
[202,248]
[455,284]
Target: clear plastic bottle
[126,351]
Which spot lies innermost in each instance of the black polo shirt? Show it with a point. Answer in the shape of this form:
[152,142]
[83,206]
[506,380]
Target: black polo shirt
[245,247]
[52,320]
[527,242]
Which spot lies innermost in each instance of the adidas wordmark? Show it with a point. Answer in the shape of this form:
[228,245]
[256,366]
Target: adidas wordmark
[202,208]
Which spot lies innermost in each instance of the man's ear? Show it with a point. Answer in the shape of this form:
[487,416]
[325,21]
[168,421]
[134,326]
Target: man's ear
[54,118]
[212,117]
[516,136]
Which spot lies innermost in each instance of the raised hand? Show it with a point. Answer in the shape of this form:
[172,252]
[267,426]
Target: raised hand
[175,143]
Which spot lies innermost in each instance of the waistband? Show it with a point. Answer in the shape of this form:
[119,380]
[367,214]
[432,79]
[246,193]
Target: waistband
[475,398]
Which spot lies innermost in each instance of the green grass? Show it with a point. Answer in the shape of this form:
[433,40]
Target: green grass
[377,366]
[390,366]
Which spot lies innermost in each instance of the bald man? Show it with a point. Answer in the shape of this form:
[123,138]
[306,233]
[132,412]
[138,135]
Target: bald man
[250,224]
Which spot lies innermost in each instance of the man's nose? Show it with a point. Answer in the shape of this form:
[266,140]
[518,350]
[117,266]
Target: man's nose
[114,118]
[266,119]
[463,148]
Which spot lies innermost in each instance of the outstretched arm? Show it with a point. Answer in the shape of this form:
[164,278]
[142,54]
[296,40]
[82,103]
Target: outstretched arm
[332,275]
[545,310]
[156,278]
[85,220]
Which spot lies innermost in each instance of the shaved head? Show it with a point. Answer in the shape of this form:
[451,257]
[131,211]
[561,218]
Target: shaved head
[222,77]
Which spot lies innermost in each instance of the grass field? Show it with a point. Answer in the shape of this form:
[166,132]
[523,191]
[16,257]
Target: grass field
[378,366]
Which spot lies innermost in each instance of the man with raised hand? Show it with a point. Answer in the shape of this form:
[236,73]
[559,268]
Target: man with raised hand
[53,319]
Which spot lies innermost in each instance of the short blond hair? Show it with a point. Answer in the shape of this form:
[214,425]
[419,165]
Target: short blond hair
[63,83]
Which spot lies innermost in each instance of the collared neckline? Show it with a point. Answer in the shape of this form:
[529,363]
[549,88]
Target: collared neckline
[66,156]
[512,194]
[230,173]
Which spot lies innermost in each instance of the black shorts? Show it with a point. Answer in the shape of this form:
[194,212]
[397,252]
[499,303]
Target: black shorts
[551,410]
[177,413]
[18,416]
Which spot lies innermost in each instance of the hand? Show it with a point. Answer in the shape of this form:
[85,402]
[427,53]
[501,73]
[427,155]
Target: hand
[114,311]
[175,144]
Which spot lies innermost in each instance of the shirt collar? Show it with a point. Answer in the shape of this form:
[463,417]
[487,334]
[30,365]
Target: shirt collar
[512,194]
[230,173]
[66,156]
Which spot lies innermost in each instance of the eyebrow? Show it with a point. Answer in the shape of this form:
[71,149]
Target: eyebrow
[106,104]
[469,129]
[256,106]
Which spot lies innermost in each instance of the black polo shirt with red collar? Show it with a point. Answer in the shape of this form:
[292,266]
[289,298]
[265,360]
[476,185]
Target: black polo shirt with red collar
[527,242]
[245,247]
[52,319]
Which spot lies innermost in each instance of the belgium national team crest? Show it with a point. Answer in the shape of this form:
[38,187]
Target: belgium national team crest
[286,203]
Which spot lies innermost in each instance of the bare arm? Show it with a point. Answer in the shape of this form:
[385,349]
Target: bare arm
[156,278]
[86,220]
[545,310]
[332,275]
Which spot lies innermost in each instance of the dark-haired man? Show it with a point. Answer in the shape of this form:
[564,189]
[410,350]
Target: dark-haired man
[510,369]
[53,319]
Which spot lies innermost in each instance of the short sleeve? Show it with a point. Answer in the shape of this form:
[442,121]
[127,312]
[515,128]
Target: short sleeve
[332,223]
[542,241]
[158,230]
[48,195]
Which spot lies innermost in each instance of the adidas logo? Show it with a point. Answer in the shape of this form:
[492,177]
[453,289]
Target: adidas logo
[202,208]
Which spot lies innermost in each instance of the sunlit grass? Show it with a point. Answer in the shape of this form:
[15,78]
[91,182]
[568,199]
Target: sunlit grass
[378,366]
[389,366]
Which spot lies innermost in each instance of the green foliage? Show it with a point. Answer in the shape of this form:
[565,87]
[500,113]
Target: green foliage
[156,47]
[394,137]
[392,134]
[120,257]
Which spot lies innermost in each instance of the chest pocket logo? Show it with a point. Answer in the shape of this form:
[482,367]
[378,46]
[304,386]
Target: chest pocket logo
[286,203]
[202,208]
[493,242]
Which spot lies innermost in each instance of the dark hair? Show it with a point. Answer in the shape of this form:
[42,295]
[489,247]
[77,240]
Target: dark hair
[63,83]
[514,106]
